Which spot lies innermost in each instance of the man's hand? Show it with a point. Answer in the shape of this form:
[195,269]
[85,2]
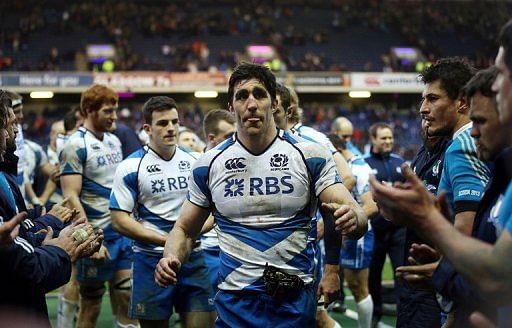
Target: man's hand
[101,255]
[424,261]
[9,230]
[329,286]
[422,254]
[345,216]
[166,272]
[408,204]
[73,247]
[63,213]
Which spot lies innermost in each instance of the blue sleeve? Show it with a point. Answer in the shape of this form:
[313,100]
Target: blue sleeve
[453,286]
[464,176]
[29,228]
[505,216]
[46,268]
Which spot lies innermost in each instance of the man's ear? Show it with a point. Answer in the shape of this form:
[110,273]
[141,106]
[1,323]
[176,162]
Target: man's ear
[462,105]
[273,106]
[210,137]
[230,107]
[147,128]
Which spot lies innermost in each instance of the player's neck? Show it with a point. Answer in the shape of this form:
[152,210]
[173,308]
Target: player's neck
[89,126]
[258,144]
[463,120]
[165,153]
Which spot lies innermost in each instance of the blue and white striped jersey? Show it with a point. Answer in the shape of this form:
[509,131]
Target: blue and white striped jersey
[263,205]
[464,176]
[35,158]
[309,133]
[153,189]
[361,171]
[96,160]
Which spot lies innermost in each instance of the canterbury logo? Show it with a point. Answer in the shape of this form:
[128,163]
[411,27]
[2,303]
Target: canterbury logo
[235,163]
[153,168]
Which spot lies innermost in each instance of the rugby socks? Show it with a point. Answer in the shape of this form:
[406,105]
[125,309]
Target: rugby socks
[117,324]
[67,312]
[364,312]
[336,325]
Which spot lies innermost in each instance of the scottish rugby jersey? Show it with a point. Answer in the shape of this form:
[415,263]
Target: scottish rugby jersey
[362,172]
[96,160]
[309,133]
[464,176]
[153,189]
[263,206]
[35,158]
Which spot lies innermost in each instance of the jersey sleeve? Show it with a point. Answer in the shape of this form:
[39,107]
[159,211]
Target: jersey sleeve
[125,187]
[465,176]
[72,158]
[321,166]
[198,191]
[362,173]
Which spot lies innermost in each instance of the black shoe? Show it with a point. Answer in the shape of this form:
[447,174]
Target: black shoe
[338,307]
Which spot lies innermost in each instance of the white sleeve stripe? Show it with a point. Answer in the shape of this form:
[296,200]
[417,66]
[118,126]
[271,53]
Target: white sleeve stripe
[24,244]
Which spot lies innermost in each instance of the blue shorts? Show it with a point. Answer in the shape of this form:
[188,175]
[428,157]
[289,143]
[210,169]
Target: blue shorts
[258,309]
[357,254]
[192,293]
[121,255]
[211,257]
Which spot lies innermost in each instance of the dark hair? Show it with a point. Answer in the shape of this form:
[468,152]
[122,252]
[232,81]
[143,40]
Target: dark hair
[481,82]
[96,96]
[284,94]
[212,118]
[505,39]
[70,119]
[453,73]
[376,126]
[156,104]
[5,104]
[246,71]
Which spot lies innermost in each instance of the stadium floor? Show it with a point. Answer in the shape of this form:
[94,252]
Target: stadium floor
[346,320]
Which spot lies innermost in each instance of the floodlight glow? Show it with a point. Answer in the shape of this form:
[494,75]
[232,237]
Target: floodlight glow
[206,94]
[359,94]
[41,94]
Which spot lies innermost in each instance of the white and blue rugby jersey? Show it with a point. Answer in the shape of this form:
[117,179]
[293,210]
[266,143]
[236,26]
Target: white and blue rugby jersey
[309,133]
[263,206]
[361,171]
[35,158]
[464,176]
[96,160]
[153,189]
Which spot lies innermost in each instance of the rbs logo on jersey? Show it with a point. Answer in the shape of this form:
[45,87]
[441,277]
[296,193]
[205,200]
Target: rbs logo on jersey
[259,186]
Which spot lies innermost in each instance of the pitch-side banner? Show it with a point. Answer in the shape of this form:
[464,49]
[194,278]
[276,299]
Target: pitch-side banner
[386,82]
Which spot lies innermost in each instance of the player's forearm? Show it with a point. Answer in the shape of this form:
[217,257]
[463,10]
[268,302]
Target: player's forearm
[208,225]
[129,227]
[362,223]
[179,243]
[471,257]
[48,191]
[464,222]
[74,202]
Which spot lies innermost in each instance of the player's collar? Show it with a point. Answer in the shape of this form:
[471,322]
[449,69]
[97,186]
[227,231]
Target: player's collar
[462,129]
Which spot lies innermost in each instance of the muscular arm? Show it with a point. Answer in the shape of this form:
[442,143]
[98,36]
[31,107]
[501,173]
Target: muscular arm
[344,170]
[339,195]
[464,222]
[123,223]
[71,188]
[369,206]
[182,237]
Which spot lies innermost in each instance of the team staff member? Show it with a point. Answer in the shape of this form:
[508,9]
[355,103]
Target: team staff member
[389,239]
[262,186]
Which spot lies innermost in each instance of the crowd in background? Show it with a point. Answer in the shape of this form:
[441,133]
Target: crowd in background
[182,30]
